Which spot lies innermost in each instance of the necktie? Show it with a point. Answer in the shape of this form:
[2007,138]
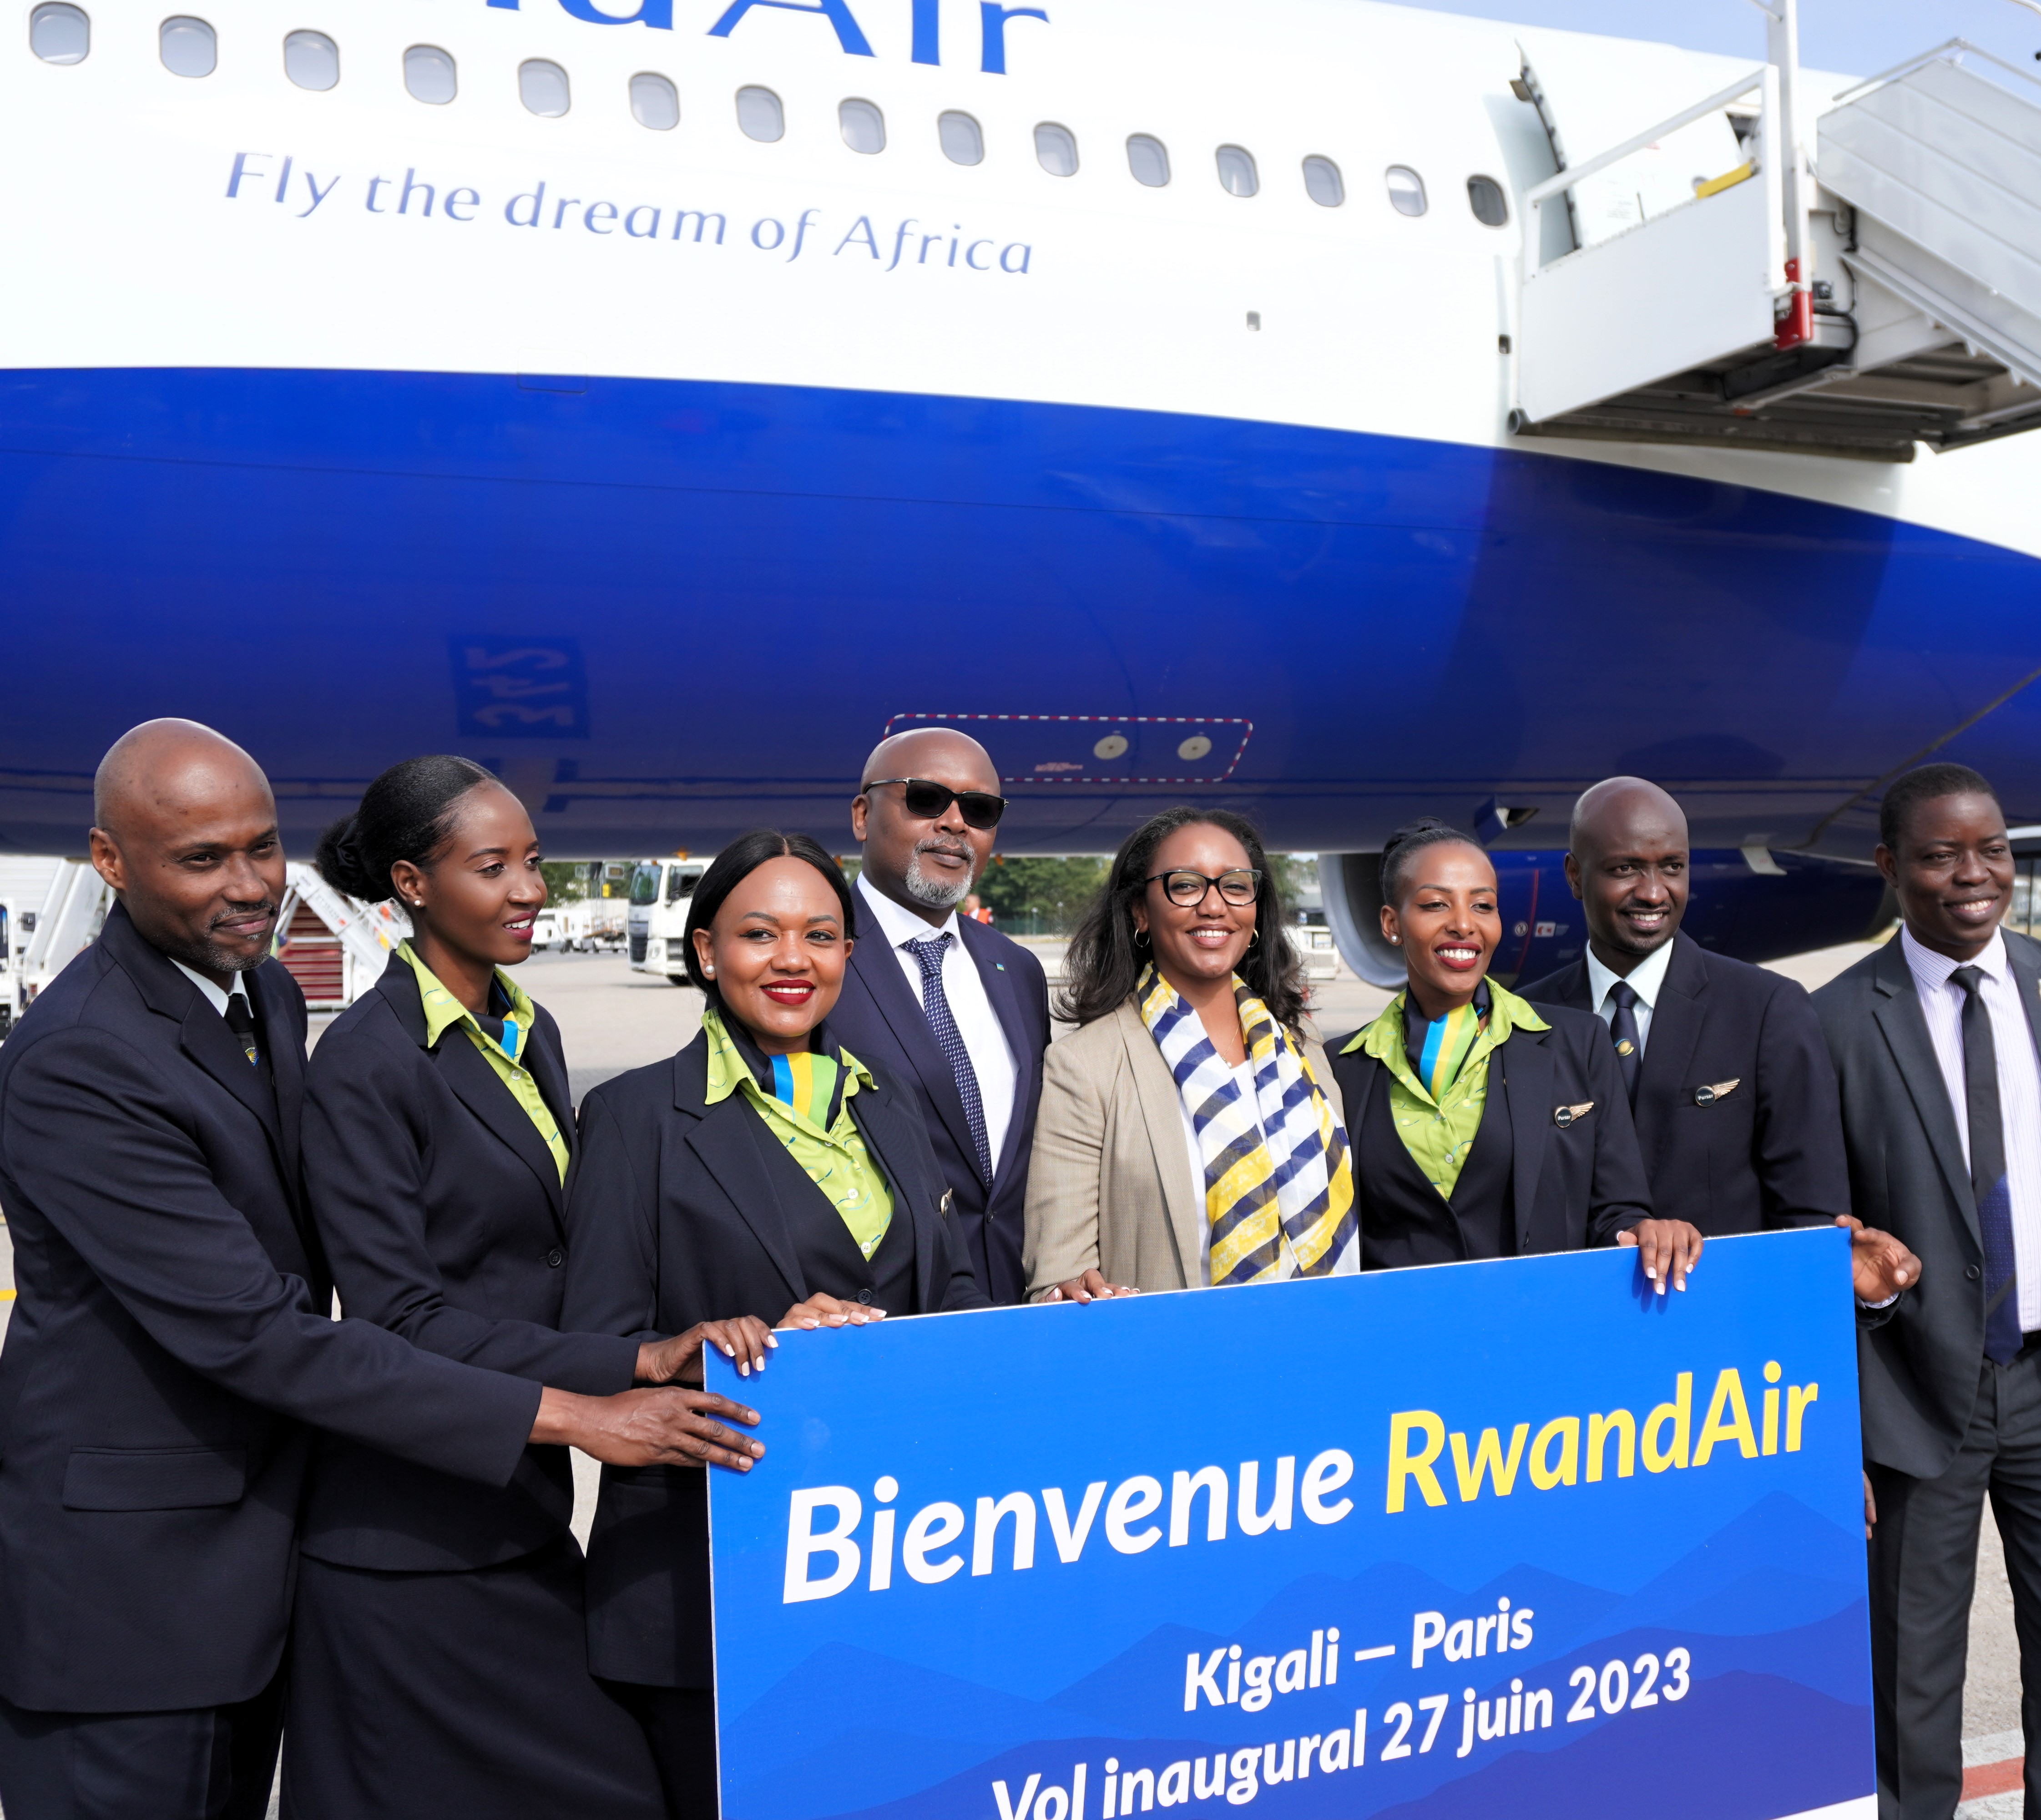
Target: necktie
[2002,1336]
[240,1020]
[1623,1030]
[928,952]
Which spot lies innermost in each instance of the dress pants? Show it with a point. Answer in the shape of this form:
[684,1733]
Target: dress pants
[680,1723]
[1923,1572]
[213,1763]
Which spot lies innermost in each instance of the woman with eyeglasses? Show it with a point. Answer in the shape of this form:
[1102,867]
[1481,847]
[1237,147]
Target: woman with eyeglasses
[1485,1127]
[1189,1134]
[956,1013]
[764,1172]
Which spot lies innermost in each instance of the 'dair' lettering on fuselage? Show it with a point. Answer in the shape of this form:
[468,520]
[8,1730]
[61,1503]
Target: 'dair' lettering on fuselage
[993,17]
[1613,1440]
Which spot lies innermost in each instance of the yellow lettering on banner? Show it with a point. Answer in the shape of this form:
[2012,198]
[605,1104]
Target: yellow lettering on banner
[1404,1467]
[1623,1425]
[1488,1458]
[1679,1413]
[1566,1430]
[1798,1397]
[1728,1419]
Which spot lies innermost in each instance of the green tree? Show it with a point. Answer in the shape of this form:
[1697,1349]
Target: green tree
[1048,894]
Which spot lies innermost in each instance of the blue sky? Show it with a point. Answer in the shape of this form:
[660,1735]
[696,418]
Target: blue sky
[1861,36]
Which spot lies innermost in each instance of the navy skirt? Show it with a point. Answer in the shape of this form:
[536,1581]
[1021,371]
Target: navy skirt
[433,1694]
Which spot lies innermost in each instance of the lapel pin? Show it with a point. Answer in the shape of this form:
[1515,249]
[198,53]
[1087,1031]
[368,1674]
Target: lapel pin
[1626,1048]
[1564,1115]
[999,966]
[1721,1089]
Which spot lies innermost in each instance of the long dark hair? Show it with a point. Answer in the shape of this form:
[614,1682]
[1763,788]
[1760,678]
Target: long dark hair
[735,864]
[406,814]
[1102,963]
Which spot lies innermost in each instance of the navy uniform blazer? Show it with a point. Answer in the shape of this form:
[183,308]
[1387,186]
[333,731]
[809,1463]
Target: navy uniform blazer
[441,1211]
[880,1021]
[1765,1153]
[171,1341]
[676,1218]
[1917,1372]
[1571,1185]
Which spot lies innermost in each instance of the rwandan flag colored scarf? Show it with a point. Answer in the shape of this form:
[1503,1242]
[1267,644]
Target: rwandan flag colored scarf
[1280,1205]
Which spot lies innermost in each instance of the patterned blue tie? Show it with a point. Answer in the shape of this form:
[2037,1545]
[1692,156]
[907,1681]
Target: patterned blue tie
[929,951]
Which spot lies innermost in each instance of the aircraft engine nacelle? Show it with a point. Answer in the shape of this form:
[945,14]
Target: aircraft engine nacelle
[1737,907]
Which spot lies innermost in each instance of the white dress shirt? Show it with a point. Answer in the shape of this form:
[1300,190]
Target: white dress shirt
[2019,1087]
[984,1037]
[1647,980]
[217,996]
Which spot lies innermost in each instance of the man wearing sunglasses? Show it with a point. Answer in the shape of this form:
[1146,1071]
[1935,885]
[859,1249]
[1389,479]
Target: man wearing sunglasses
[954,1011]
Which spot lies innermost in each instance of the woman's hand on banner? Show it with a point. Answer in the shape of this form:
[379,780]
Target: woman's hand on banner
[827,1312]
[742,1340]
[1666,1248]
[1091,1287]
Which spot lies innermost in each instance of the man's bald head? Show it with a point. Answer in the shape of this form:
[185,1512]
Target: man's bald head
[1617,808]
[924,863]
[161,765]
[941,755]
[1626,862]
[184,830]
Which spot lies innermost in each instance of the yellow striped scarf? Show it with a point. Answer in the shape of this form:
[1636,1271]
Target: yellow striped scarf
[1279,1183]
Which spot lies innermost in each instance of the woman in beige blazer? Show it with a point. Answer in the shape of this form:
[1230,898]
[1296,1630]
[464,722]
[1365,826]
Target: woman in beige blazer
[1189,1134]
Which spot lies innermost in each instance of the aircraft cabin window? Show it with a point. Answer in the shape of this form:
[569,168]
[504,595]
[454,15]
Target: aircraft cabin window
[1406,190]
[1485,198]
[760,116]
[59,34]
[1056,150]
[542,88]
[864,126]
[1148,160]
[962,141]
[312,60]
[1236,171]
[655,102]
[1322,183]
[429,74]
[187,47]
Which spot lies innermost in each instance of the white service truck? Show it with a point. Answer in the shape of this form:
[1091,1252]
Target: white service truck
[660,891]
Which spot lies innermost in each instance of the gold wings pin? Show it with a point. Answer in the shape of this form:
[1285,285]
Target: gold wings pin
[1718,1090]
[1564,1115]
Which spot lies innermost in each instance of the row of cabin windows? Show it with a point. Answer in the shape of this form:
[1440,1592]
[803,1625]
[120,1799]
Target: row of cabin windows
[61,33]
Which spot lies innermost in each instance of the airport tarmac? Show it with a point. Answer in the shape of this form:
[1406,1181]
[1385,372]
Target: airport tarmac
[612,1019]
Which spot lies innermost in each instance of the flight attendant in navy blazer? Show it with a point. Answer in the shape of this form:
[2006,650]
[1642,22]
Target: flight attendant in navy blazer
[763,1171]
[439,1656]
[955,1012]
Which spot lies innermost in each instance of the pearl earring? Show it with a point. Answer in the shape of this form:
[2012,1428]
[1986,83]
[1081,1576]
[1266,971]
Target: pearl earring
[1396,938]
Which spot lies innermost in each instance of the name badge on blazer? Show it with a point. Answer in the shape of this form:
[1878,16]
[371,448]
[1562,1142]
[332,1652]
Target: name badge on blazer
[1564,1115]
[1718,1090]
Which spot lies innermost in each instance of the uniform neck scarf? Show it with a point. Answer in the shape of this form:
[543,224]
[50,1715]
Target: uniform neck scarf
[1280,1204]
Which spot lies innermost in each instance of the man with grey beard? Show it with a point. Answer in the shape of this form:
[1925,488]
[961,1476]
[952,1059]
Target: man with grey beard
[950,1010]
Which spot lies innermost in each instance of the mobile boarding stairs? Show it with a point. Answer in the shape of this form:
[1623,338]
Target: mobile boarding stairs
[1873,288]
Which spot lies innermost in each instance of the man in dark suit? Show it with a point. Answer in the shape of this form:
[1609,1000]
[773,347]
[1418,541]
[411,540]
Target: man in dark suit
[171,1337]
[956,1013]
[1728,1079]
[1934,1039]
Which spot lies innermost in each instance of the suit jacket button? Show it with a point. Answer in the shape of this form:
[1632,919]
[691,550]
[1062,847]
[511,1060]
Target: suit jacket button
[864,1295]
[556,1258]
[1973,1274]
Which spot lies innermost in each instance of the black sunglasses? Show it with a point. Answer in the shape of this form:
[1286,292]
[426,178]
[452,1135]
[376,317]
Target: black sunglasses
[926,801]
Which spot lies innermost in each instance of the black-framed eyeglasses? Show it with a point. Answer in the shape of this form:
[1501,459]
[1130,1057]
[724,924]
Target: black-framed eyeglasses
[1187,890]
[926,801]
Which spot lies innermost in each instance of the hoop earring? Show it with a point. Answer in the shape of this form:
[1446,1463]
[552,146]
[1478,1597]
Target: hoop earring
[1141,938]
[1254,941]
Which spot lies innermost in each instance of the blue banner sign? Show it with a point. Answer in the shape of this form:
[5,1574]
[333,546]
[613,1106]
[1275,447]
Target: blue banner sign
[1517,1538]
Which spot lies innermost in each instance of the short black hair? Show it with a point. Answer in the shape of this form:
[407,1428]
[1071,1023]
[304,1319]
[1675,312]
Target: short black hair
[1102,965]
[1926,783]
[406,814]
[1400,851]
[735,864]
